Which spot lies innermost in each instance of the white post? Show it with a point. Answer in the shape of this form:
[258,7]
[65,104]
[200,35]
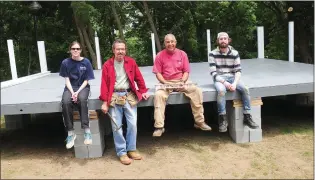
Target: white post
[260,43]
[42,56]
[291,41]
[12,59]
[208,43]
[98,54]
[153,46]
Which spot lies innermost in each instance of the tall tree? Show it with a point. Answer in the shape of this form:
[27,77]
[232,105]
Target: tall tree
[156,36]
[117,20]
[81,15]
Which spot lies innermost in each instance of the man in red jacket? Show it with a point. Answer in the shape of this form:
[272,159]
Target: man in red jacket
[120,97]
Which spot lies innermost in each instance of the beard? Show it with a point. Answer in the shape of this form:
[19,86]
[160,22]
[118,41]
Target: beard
[223,45]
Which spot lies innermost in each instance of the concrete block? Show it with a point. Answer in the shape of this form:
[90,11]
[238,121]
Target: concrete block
[96,139]
[81,152]
[94,127]
[255,135]
[235,117]
[96,151]
[90,151]
[256,114]
[240,135]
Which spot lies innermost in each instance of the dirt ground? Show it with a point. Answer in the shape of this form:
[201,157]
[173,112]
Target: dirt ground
[286,152]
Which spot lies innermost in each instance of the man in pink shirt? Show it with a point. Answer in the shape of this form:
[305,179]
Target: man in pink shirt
[171,66]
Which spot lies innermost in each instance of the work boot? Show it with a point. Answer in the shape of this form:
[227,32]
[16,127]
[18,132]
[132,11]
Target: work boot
[249,121]
[134,155]
[124,159]
[203,126]
[223,123]
[158,132]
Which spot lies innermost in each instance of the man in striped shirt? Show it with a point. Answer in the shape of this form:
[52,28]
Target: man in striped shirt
[225,68]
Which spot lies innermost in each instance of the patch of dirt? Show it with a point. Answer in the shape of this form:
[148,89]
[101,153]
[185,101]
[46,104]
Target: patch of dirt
[191,154]
[286,151]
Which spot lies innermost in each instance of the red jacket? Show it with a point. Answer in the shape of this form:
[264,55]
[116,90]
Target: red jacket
[109,78]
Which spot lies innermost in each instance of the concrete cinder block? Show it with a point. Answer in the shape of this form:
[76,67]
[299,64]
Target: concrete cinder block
[94,127]
[97,139]
[255,135]
[235,117]
[239,132]
[90,151]
[240,136]
[96,151]
[256,114]
[97,127]
[81,152]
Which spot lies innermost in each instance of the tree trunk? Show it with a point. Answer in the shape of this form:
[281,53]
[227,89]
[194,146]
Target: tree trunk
[80,35]
[305,57]
[156,36]
[117,20]
[303,44]
[199,28]
[91,33]
[29,62]
[89,46]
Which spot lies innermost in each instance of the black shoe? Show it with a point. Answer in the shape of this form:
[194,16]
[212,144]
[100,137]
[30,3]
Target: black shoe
[223,123]
[249,121]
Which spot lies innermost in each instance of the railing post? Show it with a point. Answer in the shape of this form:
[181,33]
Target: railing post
[12,59]
[42,56]
[291,41]
[98,54]
[208,43]
[153,46]
[260,43]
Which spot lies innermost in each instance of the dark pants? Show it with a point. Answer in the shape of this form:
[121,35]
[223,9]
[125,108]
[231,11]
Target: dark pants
[67,108]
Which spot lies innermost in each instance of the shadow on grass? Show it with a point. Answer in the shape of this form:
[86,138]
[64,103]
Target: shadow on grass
[45,137]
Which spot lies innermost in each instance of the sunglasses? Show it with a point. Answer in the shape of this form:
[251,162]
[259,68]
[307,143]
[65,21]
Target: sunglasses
[76,49]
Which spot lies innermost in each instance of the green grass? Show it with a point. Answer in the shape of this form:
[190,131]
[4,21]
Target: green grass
[298,129]
[2,122]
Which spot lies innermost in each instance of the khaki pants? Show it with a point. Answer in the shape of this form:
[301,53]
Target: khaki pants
[192,92]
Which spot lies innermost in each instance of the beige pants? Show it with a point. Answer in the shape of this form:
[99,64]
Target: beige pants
[192,92]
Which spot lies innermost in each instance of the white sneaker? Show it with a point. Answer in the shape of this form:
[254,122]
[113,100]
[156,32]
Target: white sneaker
[70,141]
[87,138]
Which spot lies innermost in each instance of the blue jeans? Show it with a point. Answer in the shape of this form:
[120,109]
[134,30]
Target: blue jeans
[240,87]
[123,145]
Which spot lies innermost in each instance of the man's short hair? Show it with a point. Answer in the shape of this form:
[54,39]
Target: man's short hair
[118,41]
[171,35]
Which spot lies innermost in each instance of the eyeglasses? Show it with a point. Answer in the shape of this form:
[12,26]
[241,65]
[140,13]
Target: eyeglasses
[78,49]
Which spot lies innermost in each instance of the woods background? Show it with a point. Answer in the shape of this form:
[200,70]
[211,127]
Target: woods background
[60,23]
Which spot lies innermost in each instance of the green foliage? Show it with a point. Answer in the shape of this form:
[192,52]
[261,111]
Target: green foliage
[188,21]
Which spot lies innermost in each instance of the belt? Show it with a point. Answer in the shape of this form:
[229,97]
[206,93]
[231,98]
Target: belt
[122,90]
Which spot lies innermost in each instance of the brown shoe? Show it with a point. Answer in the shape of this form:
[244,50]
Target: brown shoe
[124,159]
[158,132]
[134,155]
[203,126]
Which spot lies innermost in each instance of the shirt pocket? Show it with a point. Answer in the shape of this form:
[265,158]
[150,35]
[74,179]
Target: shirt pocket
[179,64]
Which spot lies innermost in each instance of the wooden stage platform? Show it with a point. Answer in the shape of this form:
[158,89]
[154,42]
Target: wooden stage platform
[264,77]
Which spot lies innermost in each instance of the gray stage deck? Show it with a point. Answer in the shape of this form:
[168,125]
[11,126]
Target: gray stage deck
[264,77]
